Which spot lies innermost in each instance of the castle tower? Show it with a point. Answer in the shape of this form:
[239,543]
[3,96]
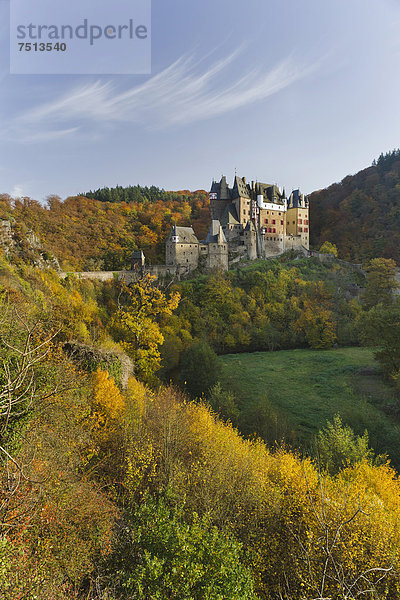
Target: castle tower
[242,200]
[182,249]
[220,198]
[217,248]
[250,240]
[297,218]
[138,261]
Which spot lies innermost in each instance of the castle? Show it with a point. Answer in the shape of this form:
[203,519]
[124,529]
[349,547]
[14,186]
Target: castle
[248,221]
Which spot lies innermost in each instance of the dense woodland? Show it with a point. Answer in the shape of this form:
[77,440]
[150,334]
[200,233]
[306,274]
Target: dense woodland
[361,214]
[129,472]
[94,234]
[135,489]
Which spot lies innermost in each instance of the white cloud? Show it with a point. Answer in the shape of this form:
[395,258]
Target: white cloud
[17,191]
[179,95]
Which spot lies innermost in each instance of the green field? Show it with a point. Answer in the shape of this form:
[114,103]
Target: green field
[293,393]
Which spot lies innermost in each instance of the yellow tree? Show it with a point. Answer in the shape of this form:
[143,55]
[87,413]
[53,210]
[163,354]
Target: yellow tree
[141,306]
[329,248]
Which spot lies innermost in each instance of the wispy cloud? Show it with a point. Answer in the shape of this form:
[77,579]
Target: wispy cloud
[179,95]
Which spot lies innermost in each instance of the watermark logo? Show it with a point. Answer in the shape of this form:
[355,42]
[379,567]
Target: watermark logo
[80,37]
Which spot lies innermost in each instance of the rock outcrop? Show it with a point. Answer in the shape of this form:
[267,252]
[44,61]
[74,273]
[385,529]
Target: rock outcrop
[24,245]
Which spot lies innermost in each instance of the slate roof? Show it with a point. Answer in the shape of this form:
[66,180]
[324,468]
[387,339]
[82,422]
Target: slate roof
[215,234]
[270,192]
[221,189]
[240,188]
[230,216]
[250,226]
[186,235]
[297,200]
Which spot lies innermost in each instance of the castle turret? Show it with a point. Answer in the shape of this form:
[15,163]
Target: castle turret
[174,235]
[138,261]
[220,198]
[297,218]
[217,248]
[250,240]
[242,200]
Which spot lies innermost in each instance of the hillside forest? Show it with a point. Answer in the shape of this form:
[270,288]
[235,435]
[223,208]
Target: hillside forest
[131,468]
[361,214]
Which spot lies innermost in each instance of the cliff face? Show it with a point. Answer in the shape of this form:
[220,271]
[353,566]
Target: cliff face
[16,242]
[6,238]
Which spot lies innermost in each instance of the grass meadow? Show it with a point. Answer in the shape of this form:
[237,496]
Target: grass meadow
[291,394]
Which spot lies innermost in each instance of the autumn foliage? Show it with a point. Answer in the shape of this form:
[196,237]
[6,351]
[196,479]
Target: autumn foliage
[116,488]
[90,234]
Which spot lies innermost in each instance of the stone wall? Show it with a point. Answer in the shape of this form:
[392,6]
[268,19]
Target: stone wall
[94,275]
[158,271]
[271,248]
[183,255]
[217,257]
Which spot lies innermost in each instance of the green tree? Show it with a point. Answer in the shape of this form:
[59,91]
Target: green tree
[223,402]
[198,370]
[381,282]
[380,326]
[162,555]
[337,446]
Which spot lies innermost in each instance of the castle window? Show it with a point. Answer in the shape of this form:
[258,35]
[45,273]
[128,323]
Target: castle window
[281,222]
[300,229]
[266,220]
[300,221]
[273,221]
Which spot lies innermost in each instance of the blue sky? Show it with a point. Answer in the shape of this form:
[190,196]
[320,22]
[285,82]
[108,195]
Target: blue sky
[294,92]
